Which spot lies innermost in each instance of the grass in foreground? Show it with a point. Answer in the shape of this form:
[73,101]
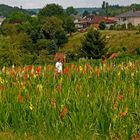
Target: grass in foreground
[89,101]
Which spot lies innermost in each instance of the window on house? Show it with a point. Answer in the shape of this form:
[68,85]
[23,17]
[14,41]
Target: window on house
[124,19]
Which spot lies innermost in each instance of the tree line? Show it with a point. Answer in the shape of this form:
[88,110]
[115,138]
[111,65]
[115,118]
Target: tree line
[31,40]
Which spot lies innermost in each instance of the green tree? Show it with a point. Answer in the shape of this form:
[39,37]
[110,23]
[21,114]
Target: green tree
[52,29]
[69,25]
[32,28]
[93,44]
[51,26]
[51,10]
[9,29]
[10,53]
[18,17]
[103,5]
[71,11]
[60,38]
[102,25]
[85,13]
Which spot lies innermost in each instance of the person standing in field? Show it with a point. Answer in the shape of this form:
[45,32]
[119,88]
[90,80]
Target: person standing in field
[58,67]
[103,60]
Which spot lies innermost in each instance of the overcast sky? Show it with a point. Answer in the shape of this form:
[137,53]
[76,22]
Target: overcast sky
[65,3]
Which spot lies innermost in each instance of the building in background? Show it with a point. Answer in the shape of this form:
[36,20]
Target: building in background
[1,19]
[132,17]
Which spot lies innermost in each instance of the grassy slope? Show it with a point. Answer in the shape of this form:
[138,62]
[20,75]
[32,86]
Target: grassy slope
[116,41]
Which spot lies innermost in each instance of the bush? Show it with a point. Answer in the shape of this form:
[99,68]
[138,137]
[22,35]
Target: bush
[138,51]
[102,25]
[124,49]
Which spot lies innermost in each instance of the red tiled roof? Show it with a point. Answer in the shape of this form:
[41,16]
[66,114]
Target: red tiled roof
[98,19]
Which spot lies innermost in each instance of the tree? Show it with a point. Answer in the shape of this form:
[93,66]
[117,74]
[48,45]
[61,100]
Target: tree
[9,29]
[10,53]
[103,5]
[102,25]
[70,10]
[85,13]
[53,30]
[60,38]
[18,17]
[51,26]
[51,10]
[93,44]
[69,25]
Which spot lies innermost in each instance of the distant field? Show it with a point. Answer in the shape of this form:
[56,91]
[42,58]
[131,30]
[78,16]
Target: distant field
[116,41]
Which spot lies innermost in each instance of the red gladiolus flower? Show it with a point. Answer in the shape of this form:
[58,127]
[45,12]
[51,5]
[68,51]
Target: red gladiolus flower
[66,70]
[38,70]
[30,67]
[121,97]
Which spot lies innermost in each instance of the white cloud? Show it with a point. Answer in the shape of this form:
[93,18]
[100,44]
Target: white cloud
[64,3]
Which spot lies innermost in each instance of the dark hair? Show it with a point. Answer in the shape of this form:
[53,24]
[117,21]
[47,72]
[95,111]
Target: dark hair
[103,57]
[58,59]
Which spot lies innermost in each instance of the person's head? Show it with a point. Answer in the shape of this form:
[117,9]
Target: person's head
[103,57]
[59,60]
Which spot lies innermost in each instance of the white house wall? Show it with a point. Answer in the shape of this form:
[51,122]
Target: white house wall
[134,20]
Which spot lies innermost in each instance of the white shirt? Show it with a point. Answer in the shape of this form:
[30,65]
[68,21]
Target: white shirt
[58,66]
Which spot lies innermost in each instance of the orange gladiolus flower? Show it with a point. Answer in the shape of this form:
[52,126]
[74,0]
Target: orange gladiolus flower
[63,113]
[20,98]
[53,103]
[115,106]
[98,72]
[72,65]
[123,114]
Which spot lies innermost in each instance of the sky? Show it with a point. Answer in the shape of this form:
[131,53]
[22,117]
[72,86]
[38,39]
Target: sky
[29,4]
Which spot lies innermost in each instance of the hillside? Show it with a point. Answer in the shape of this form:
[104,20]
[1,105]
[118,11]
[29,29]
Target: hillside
[6,10]
[117,41]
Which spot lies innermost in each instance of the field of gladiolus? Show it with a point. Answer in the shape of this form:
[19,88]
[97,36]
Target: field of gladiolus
[89,101]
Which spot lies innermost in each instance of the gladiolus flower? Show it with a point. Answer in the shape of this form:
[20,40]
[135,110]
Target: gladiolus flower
[98,72]
[31,106]
[123,114]
[30,67]
[63,113]
[121,97]
[53,103]
[20,98]
[72,65]
[115,106]
[38,70]
[66,70]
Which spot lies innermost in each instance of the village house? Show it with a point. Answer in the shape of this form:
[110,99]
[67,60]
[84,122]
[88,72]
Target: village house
[132,17]
[1,19]
[94,21]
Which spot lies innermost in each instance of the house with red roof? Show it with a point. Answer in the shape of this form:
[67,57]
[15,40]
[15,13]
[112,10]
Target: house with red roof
[94,21]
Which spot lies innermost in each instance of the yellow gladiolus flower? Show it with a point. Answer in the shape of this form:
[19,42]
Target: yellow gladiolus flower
[31,106]
[1,81]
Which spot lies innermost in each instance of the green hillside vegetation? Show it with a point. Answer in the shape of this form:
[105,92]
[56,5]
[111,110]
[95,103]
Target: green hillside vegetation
[123,41]
[6,10]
